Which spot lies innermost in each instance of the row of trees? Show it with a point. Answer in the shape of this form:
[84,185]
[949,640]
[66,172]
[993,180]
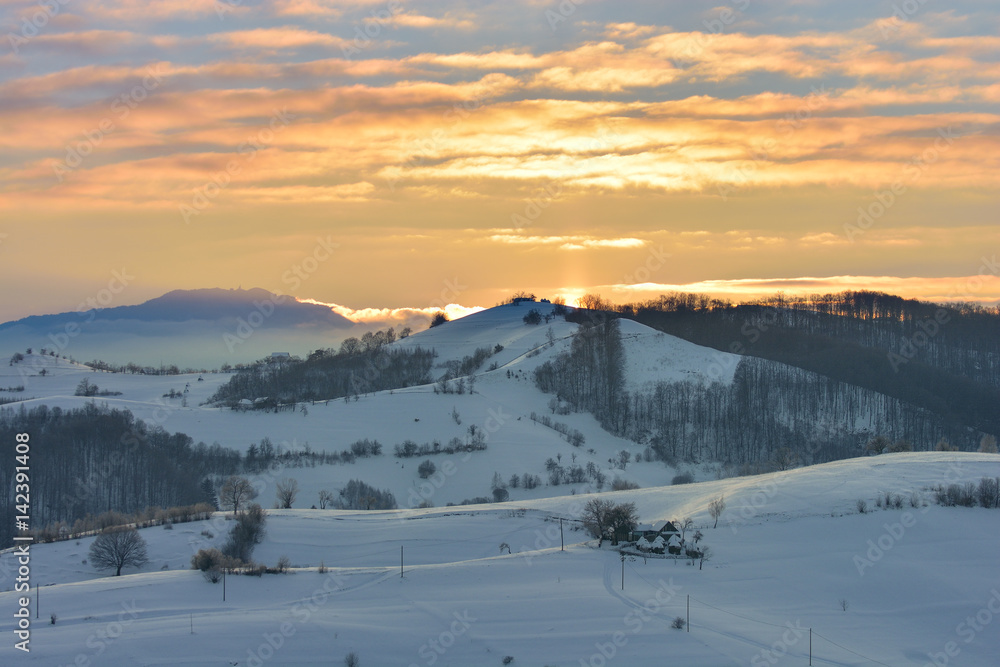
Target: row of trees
[770,412]
[591,375]
[361,366]
[942,358]
[97,459]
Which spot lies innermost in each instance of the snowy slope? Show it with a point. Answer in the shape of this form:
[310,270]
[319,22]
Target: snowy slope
[789,548]
[504,400]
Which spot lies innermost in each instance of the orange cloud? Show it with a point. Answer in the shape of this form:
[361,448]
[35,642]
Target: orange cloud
[287,37]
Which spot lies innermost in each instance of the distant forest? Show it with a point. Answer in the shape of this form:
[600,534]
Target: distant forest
[359,367]
[840,384]
[945,359]
[95,459]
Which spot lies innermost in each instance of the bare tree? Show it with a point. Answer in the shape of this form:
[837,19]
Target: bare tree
[716,508]
[288,490]
[595,516]
[235,491]
[325,498]
[683,525]
[706,554]
[621,518]
[118,547]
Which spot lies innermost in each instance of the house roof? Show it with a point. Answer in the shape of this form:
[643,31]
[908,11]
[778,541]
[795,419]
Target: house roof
[666,527]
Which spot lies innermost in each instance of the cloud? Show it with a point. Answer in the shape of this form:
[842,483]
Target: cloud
[273,39]
[305,8]
[403,316]
[412,20]
[571,242]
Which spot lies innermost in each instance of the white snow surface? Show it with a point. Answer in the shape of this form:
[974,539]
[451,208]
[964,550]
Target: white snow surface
[788,549]
[920,583]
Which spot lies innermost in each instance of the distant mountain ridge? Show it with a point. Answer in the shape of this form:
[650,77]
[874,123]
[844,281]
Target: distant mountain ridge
[191,328]
[210,304]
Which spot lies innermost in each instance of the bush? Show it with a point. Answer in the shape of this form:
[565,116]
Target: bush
[683,478]
[246,534]
[507,659]
[989,492]
[351,660]
[365,448]
[862,507]
[212,562]
[678,623]
[619,484]
[500,495]
[283,564]
[426,469]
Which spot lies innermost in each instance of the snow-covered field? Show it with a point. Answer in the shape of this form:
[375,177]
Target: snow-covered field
[918,583]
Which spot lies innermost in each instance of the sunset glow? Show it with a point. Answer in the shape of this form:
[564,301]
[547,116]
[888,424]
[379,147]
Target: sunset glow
[396,157]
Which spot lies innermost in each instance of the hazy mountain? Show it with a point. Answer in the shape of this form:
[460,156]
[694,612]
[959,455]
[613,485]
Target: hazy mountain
[203,327]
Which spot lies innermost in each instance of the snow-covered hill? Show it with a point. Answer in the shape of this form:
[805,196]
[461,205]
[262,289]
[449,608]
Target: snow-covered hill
[790,553]
[501,406]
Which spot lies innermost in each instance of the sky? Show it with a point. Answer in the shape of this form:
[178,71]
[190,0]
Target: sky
[384,154]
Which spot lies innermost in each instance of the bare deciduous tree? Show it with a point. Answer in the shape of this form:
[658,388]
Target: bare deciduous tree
[235,491]
[716,508]
[595,516]
[325,498]
[118,547]
[683,525]
[622,518]
[288,490]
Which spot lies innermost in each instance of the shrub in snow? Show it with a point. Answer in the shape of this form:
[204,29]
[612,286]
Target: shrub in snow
[683,478]
[351,659]
[678,623]
[283,564]
[619,484]
[862,506]
[426,469]
[246,534]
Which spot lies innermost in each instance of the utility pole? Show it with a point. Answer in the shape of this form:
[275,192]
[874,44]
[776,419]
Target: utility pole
[623,571]
[810,646]
[688,624]
[400,561]
[37,586]
[562,545]
[223,584]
